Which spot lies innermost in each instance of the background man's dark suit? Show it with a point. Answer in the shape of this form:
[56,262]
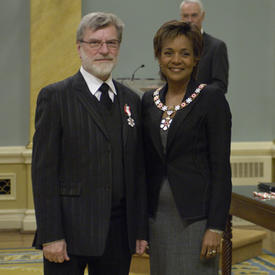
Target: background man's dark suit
[72,168]
[214,65]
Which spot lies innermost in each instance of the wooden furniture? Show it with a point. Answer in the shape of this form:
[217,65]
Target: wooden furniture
[250,208]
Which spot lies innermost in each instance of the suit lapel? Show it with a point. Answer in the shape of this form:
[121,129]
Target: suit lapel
[88,101]
[155,124]
[155,132]
[178,120]
[205,42]
[122,99]
[181,115]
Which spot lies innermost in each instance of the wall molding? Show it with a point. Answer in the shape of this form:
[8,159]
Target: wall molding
[11,218]
[243,155]
[15,155]
[22,219]
[21,154]
[29,222]
[261,148]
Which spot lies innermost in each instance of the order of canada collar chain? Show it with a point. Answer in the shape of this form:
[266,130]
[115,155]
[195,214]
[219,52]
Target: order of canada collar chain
[171,110]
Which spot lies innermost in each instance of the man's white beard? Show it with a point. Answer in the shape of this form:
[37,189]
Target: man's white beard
[102,70]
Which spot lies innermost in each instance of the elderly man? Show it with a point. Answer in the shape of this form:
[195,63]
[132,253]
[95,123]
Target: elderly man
[213,66]
[87,167]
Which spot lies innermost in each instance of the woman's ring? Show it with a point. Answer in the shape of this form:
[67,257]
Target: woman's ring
[212,252]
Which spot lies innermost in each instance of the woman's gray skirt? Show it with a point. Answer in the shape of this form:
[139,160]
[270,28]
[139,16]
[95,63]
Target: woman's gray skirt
[175,244]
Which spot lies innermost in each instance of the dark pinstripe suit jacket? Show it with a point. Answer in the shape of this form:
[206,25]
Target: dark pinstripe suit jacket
[72,164]
[214,65]
[197,157]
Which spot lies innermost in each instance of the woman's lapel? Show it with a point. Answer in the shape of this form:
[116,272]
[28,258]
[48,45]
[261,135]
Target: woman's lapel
[181,115]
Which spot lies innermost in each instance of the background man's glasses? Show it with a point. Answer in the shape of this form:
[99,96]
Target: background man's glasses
[97,44]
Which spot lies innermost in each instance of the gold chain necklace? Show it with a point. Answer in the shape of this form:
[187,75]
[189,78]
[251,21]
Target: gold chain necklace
[170,111]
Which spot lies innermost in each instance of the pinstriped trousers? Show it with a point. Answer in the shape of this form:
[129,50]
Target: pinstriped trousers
[175,244]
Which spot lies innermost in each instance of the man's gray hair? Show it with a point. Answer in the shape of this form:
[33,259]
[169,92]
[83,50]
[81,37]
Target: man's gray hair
[193,1]
[99,20]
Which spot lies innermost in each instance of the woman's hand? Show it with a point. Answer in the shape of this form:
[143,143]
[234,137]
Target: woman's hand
[210,244]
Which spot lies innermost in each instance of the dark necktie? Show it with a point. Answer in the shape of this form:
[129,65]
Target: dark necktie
[104,98]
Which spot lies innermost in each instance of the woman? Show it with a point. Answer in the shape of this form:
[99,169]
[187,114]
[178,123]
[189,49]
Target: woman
[187,131]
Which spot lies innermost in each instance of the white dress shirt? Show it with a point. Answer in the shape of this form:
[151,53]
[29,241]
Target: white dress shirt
[94,84]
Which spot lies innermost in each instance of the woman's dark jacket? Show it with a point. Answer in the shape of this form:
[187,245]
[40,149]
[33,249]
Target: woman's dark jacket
[197,158]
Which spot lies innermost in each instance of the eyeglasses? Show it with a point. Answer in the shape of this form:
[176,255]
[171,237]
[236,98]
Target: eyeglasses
[97,44]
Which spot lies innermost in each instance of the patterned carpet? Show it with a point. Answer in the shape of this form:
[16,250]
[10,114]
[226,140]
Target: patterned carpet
[20,261]
[262,265]
[29,262]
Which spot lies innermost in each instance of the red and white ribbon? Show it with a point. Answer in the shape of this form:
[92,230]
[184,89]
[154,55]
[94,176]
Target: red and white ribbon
[127,110]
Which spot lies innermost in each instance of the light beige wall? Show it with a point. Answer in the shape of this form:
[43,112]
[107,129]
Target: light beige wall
[53,54]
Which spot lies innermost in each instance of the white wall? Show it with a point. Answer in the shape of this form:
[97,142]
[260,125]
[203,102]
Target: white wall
[14,72]
[247,27]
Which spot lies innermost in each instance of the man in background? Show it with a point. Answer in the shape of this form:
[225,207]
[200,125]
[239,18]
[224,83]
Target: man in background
[213,65]
[87,167]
